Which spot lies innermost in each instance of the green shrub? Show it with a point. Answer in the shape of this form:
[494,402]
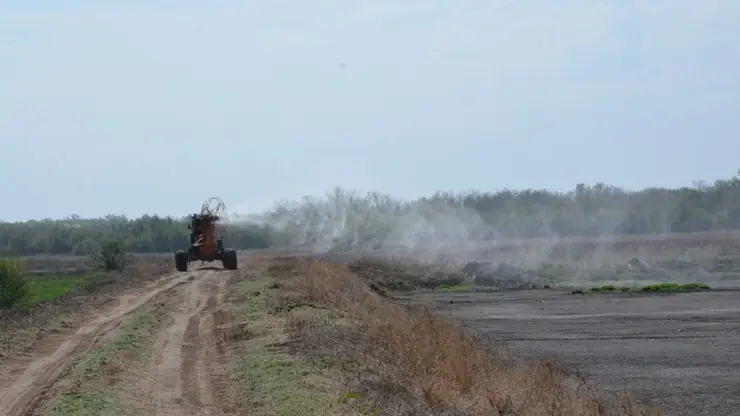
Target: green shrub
[661,287]
[111,256]
[674,287]
[695,286]
[606,288]
[13,284]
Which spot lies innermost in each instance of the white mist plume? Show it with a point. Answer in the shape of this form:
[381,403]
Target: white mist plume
[430,229]
[534,230]
[345,221]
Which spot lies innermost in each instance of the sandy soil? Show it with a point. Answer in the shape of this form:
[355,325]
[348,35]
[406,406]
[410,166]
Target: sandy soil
[184,376]
[677,352]
[182,379]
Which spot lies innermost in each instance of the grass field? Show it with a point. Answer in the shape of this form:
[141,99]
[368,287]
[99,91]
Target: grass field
[42,289]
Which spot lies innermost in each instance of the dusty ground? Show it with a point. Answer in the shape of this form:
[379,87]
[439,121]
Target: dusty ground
[182,376]
[677,352]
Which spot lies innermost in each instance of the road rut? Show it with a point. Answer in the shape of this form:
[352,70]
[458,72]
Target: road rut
[186,370]
[188,363]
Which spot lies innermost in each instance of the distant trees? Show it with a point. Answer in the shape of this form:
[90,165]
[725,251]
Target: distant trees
[345,219]
[85,236]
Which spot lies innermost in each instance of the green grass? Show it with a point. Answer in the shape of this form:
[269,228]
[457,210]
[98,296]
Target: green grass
[84,404]
[131,337]
[674,287]
[254,309]
[454,288]
[47,288]
[43,289]
[286,385]
[274,382]
[651,288]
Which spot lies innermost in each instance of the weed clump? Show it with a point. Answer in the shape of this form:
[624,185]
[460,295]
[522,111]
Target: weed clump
[675,287]
[609,288]
[13,284]
[111,256]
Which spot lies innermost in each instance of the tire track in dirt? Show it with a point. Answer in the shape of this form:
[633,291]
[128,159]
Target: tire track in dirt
[26,381]
[186,374]
[218,325]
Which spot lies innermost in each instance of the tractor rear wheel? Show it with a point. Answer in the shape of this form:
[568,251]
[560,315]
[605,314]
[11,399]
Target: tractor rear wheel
[229,259]
[181,261]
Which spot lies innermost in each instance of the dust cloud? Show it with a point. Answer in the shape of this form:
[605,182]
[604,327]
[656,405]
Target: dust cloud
[435,229]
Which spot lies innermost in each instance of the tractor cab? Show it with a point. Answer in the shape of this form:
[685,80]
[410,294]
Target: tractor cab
[201,227]
[205,245]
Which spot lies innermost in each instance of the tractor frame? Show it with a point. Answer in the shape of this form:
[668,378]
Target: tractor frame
[205,246]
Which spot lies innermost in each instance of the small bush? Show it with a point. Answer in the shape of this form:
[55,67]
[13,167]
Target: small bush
[13,284]
[695,286]
[609,289]
[111,256]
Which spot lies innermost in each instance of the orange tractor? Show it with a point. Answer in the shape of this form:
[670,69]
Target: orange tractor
[206,238]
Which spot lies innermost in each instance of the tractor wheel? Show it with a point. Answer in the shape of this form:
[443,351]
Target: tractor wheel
[229,259]
[181,261]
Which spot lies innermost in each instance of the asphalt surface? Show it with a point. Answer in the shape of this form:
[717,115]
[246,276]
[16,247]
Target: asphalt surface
[676,352]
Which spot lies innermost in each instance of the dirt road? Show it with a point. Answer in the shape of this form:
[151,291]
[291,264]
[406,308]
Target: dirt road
[187,366]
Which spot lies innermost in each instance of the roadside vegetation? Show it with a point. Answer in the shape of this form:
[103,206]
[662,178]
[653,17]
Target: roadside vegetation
[620,274]
[271,380]
[675,287]
[318,340]
[13,284]
[18,289]
[48,288]
[32,305]
[667,287]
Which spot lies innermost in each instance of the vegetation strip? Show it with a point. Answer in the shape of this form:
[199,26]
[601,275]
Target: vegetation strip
[272,380]
[654,288]
[19,289]
[320,341]
[44,289]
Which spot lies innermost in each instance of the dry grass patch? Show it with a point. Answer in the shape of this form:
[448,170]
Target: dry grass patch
[400,360]
[270,380]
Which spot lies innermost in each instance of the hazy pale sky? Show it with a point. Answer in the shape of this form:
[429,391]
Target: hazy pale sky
[152,106]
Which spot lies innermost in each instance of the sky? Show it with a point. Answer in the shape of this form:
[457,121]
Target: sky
[153,106]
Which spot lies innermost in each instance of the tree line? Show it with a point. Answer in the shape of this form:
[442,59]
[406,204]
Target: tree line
[344,219]
[147,234]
